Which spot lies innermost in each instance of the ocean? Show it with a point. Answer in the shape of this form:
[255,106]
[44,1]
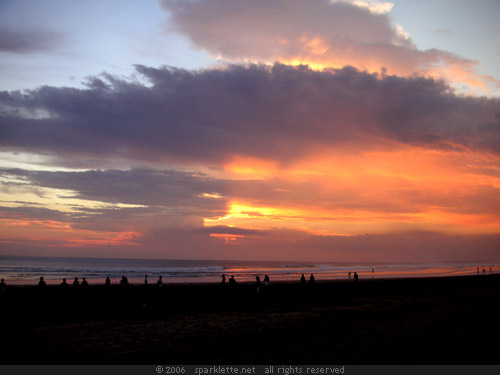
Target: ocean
[28,270]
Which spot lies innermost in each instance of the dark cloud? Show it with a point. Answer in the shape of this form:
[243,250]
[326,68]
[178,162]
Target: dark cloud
[175,190]
[209,116]
[27,41]
[28,211]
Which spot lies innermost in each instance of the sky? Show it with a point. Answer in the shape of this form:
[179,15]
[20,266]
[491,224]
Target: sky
[251,129]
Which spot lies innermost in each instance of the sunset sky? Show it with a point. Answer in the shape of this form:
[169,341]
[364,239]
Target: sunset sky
[352,130]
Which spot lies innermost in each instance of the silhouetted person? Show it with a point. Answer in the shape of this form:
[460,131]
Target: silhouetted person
[3,286]
[257,283]
[64,284]
[356,277]
[159,283]
[85,283]
[42,283]
[124,281]
[267,281]
[311,279]
[146,280]
[107,282]
[76,282]
[232,281]
[349,275]
[302,280]
[223,279]
[478,270]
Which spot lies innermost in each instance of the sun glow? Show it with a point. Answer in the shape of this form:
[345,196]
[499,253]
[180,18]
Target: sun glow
[402,189]
[251,168]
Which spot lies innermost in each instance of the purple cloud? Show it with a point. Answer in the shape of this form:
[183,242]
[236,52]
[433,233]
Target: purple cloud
[279,113]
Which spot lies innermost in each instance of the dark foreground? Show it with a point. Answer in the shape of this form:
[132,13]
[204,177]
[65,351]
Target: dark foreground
[412,321]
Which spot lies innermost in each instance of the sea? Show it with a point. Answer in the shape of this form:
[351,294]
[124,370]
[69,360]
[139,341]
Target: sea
[25,270]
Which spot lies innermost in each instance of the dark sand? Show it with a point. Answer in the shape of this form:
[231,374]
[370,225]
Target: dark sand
[449,320]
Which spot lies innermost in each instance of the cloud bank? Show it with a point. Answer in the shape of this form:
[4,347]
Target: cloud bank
[279,113]
[321,33]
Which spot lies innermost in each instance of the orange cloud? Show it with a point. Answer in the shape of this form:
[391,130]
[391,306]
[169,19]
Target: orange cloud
[251,167]
[407,189]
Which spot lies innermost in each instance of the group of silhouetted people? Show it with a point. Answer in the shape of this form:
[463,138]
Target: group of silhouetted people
[266,282]
[76,282]
[159,283]
[231,282]
[64,284]
[484,270]
[312,280]
[356,277]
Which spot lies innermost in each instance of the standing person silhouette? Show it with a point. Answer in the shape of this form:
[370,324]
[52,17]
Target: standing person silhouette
[124,281]
[159,283]
[257,283]
[223,279]
[107,283]
[42,283]
[311,279]
[302,280]
[356,277]
[146,280]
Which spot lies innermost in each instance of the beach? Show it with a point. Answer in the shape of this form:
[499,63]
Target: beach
[443,320]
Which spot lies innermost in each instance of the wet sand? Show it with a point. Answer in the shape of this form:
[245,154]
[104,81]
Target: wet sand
[447,320]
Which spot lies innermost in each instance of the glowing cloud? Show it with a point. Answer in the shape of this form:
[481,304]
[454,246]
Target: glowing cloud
[320,34]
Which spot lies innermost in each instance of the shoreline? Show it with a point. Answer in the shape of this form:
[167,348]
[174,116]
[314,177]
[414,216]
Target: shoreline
[22,271]
[51,283]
